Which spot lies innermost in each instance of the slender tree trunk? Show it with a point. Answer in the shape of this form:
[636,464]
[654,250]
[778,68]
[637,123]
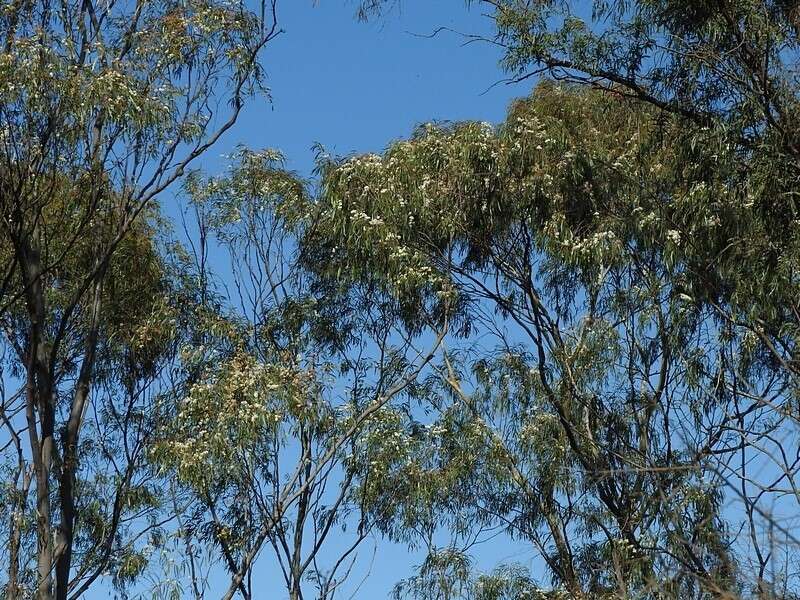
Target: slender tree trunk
[13,589]
[566,560]
[296,593]
[39,398]
[69,468]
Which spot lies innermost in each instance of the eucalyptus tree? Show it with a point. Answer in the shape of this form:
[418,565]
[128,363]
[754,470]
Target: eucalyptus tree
[730,62]
[624,397]
[729,67]
[725,70]
[293,388]
[114,491]
[102,107]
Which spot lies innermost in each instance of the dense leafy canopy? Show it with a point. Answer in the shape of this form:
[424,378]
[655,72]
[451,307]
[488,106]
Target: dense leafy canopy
[576,330]
[635,351]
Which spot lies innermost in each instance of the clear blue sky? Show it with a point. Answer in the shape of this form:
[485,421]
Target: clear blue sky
[357,86]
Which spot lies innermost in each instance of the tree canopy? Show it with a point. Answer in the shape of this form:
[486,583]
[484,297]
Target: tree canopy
[576,330]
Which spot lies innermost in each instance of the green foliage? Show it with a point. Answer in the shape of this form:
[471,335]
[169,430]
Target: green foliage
[102,107]
[613,252]
[577,329]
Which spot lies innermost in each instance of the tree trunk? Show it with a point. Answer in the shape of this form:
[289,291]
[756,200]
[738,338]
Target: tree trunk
[39,398]
[69,468]
[13,590]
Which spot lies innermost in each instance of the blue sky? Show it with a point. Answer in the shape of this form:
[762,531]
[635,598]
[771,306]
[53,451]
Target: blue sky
[355,86]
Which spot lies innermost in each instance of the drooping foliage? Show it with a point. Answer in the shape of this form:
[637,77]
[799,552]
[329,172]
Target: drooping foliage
[291,387]
[133,337]
[575,331]
[102,107]
[641,358]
